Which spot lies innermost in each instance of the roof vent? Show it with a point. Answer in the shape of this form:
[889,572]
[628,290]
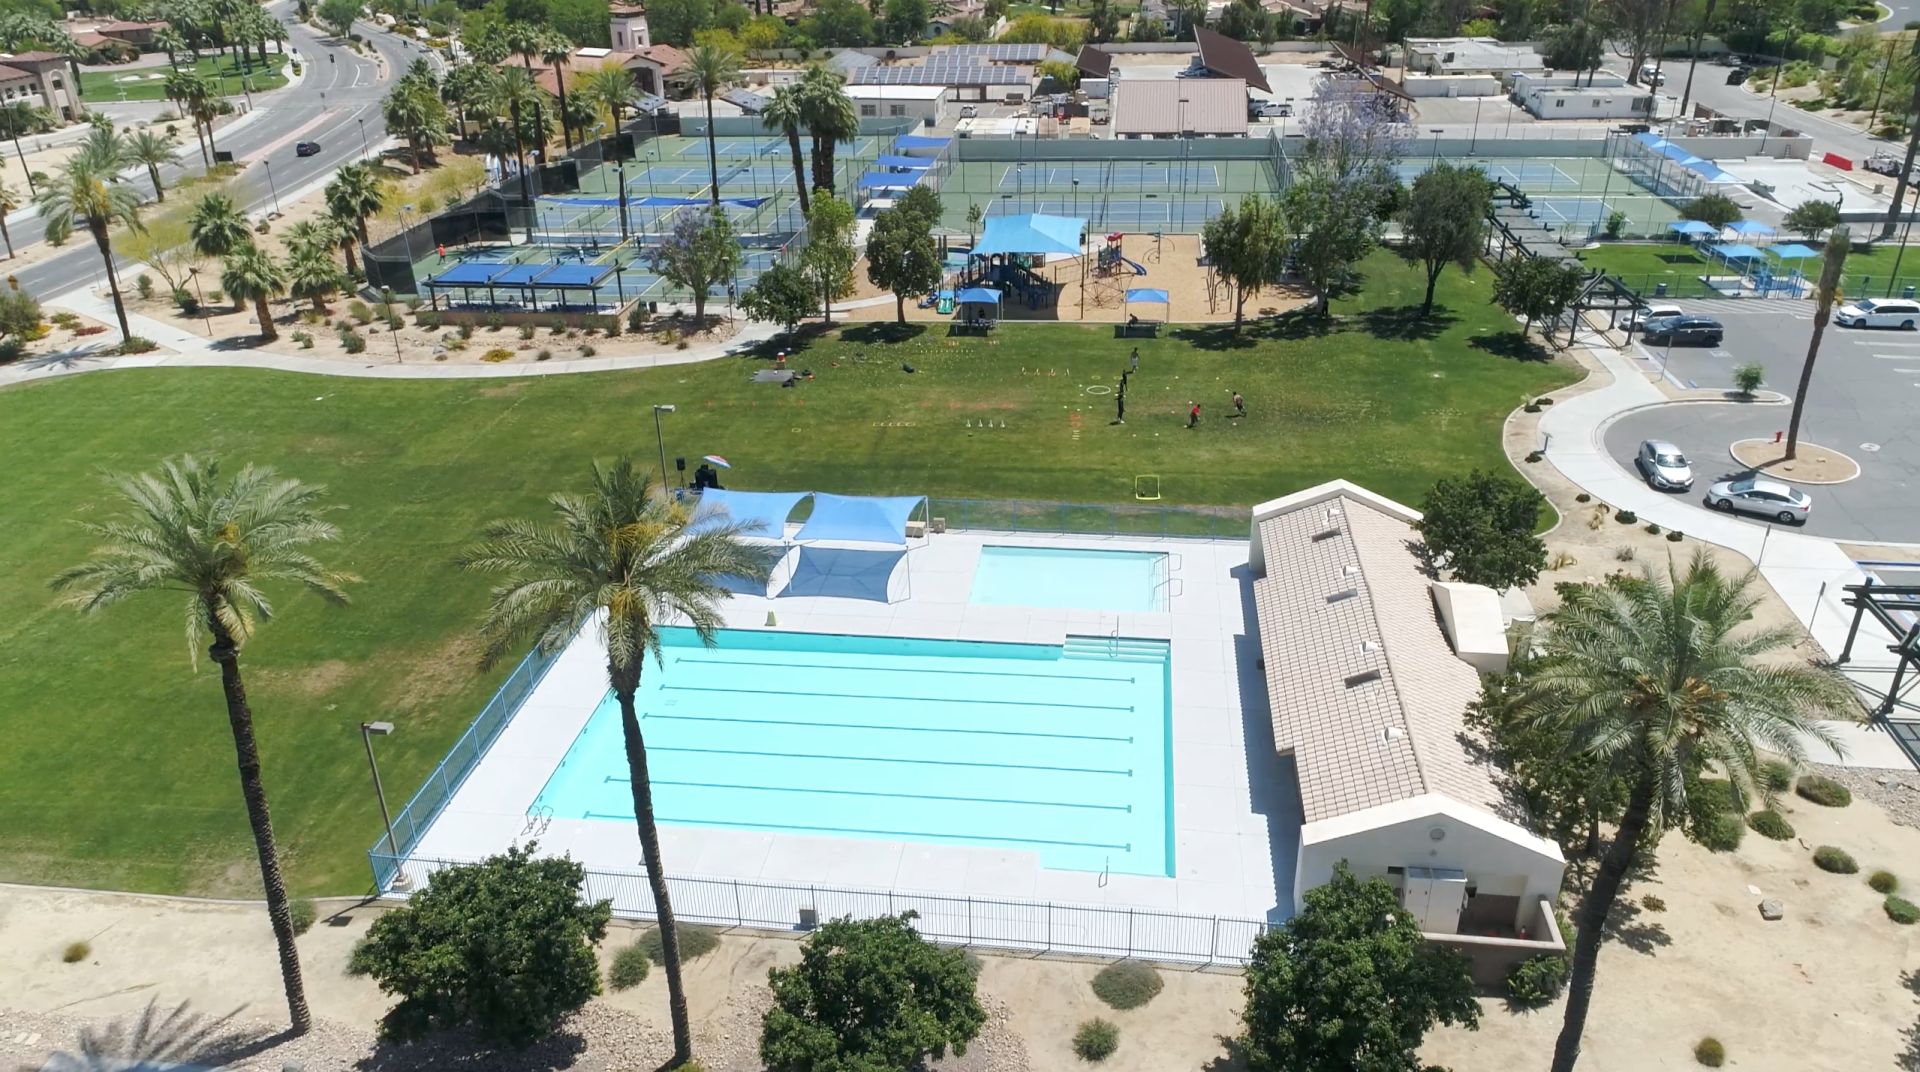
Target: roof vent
[1349,571]
[1326,535]
[1389,734]
[1339,597]
[1362,678]
[1369,645]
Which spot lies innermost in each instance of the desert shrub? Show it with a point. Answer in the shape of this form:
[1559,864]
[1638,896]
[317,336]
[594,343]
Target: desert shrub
[466,331]
[1536,455]
[1838,861]
[1583,497]
[694,942]
[304,912]
[973,962]
[526,331]
[681,345]
[1653,529]
[612,326]
[1823,791]
[1748,378]
[1626,517]
[351,339]
[184,298]
[75,952]
[135,344]
[1712,819]
[1096,1040]
[1623,554]
[1883,882]
[1128,984]
[427,318]
[497,354]
[1531,407]
[1675,536]
[587,351]
[304,339]
[359,310]
[215,297]
[495,321]
[1771,824]
[556,326]
[629,968]
[1776,775]
[637,318]
[1709,1052]
[1537,980]
[144,284]
[544,355]
[1900,910]
[1653,903]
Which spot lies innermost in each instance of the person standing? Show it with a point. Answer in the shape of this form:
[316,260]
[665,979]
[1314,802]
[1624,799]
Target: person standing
[1133,363]
[1120,408]
[1124,373]
[1193,415]
[1239,405]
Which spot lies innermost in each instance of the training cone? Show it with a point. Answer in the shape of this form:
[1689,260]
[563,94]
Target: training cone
[771,620]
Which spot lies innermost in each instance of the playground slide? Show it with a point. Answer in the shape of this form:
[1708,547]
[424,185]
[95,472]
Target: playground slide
[1137,270]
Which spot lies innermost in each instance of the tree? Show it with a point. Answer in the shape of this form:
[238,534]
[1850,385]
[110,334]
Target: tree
[1336,226]
[623,555]
[89,192]
[9,201]
[1248,247]
[152,150]
[1352,139]
[1812,217]
[1103,23]
[975,217]
[698,255]
[1481,530]
[353,195]
[781,295]
[583,22]
[1067,35]
[1244,20]
[869,994]
[339,15]
[218,540]
[839,24]
[1447,220]
[505,945]
[1146,30]
[674,22]
[251,274]
[785,112]
[312,274]
[1576,46]
[414,108]
[217,226]
[555,52]
[907,19]
[1640,25]
[19,321]
[902,257]
[1836,258]
[1716,209]
[829,256]
[17,118]
[831,119]
[1659,676]
[1350,984]
[713,69]
[1535,288]
[611,87]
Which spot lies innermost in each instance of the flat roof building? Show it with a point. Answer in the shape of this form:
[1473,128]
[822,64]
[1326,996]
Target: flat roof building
[1470,55]
[1180,107]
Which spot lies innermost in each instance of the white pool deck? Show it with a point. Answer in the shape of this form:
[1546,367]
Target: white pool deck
[1225,852]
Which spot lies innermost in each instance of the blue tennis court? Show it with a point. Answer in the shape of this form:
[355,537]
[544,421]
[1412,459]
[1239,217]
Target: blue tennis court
[1062,751]
[1097,176]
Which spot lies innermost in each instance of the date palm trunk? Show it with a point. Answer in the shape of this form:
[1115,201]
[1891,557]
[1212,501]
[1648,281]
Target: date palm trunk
[265,314]
[625,683]
[799,173]
[8,237]
[240,717]
[713,162]
[99,229]
[1591,920]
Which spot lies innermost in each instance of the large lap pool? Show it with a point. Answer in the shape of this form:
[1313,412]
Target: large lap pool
[1062,751]
[1071,578]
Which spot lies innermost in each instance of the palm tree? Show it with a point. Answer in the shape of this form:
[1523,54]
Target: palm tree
[312,274]
[88,193]
[1838,242]
[786,113]
[216,540]
[153,150]
[627,551]
[555,51]
[217,226]
[610,86]
[352,196]
[193,92]
[831,119]
[414,109]
[251,274]
[1659,678]
[18,118]
[713,68]
[9,200]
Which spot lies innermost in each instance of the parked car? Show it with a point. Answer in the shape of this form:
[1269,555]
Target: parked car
[1652,311]
[306,148]
[1652,75]
[1757,495]
[1683,330]
[1879,313]
[1664,466]
[1268,109]
[969,111]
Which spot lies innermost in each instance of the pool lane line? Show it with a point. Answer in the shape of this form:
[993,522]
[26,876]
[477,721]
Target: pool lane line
[884,759]
[882,726]
[875,793]
[893,670]
[902,699]
[910,835]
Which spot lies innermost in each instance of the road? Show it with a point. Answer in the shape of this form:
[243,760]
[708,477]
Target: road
[337,105]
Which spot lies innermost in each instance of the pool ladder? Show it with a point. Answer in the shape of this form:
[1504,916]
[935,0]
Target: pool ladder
[1173,586]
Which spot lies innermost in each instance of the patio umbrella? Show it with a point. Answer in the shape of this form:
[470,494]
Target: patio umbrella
[717,460]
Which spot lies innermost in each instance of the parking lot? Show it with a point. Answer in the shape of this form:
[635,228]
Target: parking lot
[1864,402]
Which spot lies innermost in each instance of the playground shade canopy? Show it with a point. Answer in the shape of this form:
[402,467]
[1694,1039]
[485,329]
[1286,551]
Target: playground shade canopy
[1793,251]
[1691,227]
[1032,233]
[1734,252]
[764,512]
[888,180]
[843,573]
[860,518]
[985,295]
[1749,227]
[1147,294]
[915,162]
[915,141]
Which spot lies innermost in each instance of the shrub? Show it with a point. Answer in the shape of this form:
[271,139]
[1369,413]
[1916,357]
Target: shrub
[304,339]
[1096,1040]
[973,962]
[556,325]
[1883,882]
[1776,775]
[358,310]
[587,351]
[1653,903]
[1623,554]
[544,355]
[612,326]
[1747,378]
[135,344]
[497,354]
[185,300]
[1536,455]
[1626,517]
[144,284]
[681,345]
[304,912]
[1531,407]
[1900,910]
[352,339]
[1537,981]
[629,968]
[495,321]
[1709,1052]
[1823,791]
[1771,824]
[1722,832]
[1675,536]
[1583,497]
[1128,984]
[670,335]
[1653,529]
[1838,861]
[637,318]
[695,942]
[75,952]
[466,331]
[526,331]
[65,320]
[427,318]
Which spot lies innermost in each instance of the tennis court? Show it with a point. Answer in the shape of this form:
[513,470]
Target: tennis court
[1106,212]
[1532,176]
[1171,176]
[751,147]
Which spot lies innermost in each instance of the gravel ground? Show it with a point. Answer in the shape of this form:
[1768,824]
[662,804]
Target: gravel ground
[1897,792]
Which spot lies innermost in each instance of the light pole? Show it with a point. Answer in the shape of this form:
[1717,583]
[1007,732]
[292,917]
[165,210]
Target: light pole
[660,441]
[365,146]
[1475,142]
[367,732]
[1435,131]
[268,164]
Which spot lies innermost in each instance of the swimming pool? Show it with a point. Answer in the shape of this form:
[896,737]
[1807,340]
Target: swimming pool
[1062,751]
[1071,578]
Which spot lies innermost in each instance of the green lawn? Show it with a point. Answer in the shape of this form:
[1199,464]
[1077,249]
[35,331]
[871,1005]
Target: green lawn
[118,769]
[1642,266]
[149,83]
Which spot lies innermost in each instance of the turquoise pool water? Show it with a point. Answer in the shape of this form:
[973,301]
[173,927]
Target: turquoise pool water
[1058,750]
[1071,578]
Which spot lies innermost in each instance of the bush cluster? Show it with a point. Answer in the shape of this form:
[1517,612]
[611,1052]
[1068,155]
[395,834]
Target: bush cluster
[1835,860]
[1626,517]
[1128,984]
[694,942]
[629,968]
[1709,1052]
[1537,981]
[1883,882]
[1824,791]
[75,952]
[1776,775]
[304,912]
[497,354]
[1096,1040]
[1900,910]
[1771,824]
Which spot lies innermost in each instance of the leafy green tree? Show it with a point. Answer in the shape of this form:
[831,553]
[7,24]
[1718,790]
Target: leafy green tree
[1481,529]
[1248,246]
[89,192]
[829,256]
[505,945]
[839,24]
[699,254]
[902,257]
[609,86]
[339,15]
[152,151]
[251,274]
[975,217]
[924,205]
[19,314]
[786,113]
[1535,288]
[781,295]
[1103,23]
[713,69]
[1716,209]
[312,274]
[1336,225]
[1578,45]
[1350,985]
[674,22]
[624,555]
[218,540]
[1659,675]
[831,119]
[1446,220]
[867,996]
[906,20]
[1812,217]
[583,22]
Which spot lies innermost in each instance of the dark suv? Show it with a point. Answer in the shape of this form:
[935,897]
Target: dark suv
[1685,330]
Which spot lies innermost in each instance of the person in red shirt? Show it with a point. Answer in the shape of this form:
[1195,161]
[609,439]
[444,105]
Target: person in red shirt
[1193,415]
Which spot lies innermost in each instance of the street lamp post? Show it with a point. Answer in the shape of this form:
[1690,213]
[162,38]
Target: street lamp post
[1435,131]
[368,730]
[268,164]
[659,440]
[1475,142]
[365,146]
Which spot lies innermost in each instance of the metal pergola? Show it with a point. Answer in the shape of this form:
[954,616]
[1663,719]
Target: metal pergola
[1896,608]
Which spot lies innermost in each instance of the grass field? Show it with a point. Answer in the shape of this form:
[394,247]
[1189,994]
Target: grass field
[118,770]
[149,83]
[1642,265]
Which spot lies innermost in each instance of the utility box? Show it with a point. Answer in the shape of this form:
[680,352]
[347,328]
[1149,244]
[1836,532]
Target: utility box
[1435,896]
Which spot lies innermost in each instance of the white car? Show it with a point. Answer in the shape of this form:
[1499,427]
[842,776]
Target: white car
[1664,466]
[1652,311]
[1652,75]
[1879,313]
[1758,495]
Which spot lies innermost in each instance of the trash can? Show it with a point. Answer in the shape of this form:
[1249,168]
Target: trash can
[1906,292]
[1659,290]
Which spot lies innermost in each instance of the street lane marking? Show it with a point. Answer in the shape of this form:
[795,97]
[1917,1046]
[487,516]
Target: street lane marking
[285,138]
[1895,345]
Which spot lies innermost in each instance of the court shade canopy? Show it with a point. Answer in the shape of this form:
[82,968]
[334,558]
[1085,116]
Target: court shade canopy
[1753,227]
[1691,227]
[860,518]
[763,512]
[1734,252]
[1793,251]
[914,162]
[915,141]
[1032,233]
[889,180]
[981,295]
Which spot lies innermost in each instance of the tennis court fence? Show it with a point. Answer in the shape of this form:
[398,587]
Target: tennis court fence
[1035,927]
